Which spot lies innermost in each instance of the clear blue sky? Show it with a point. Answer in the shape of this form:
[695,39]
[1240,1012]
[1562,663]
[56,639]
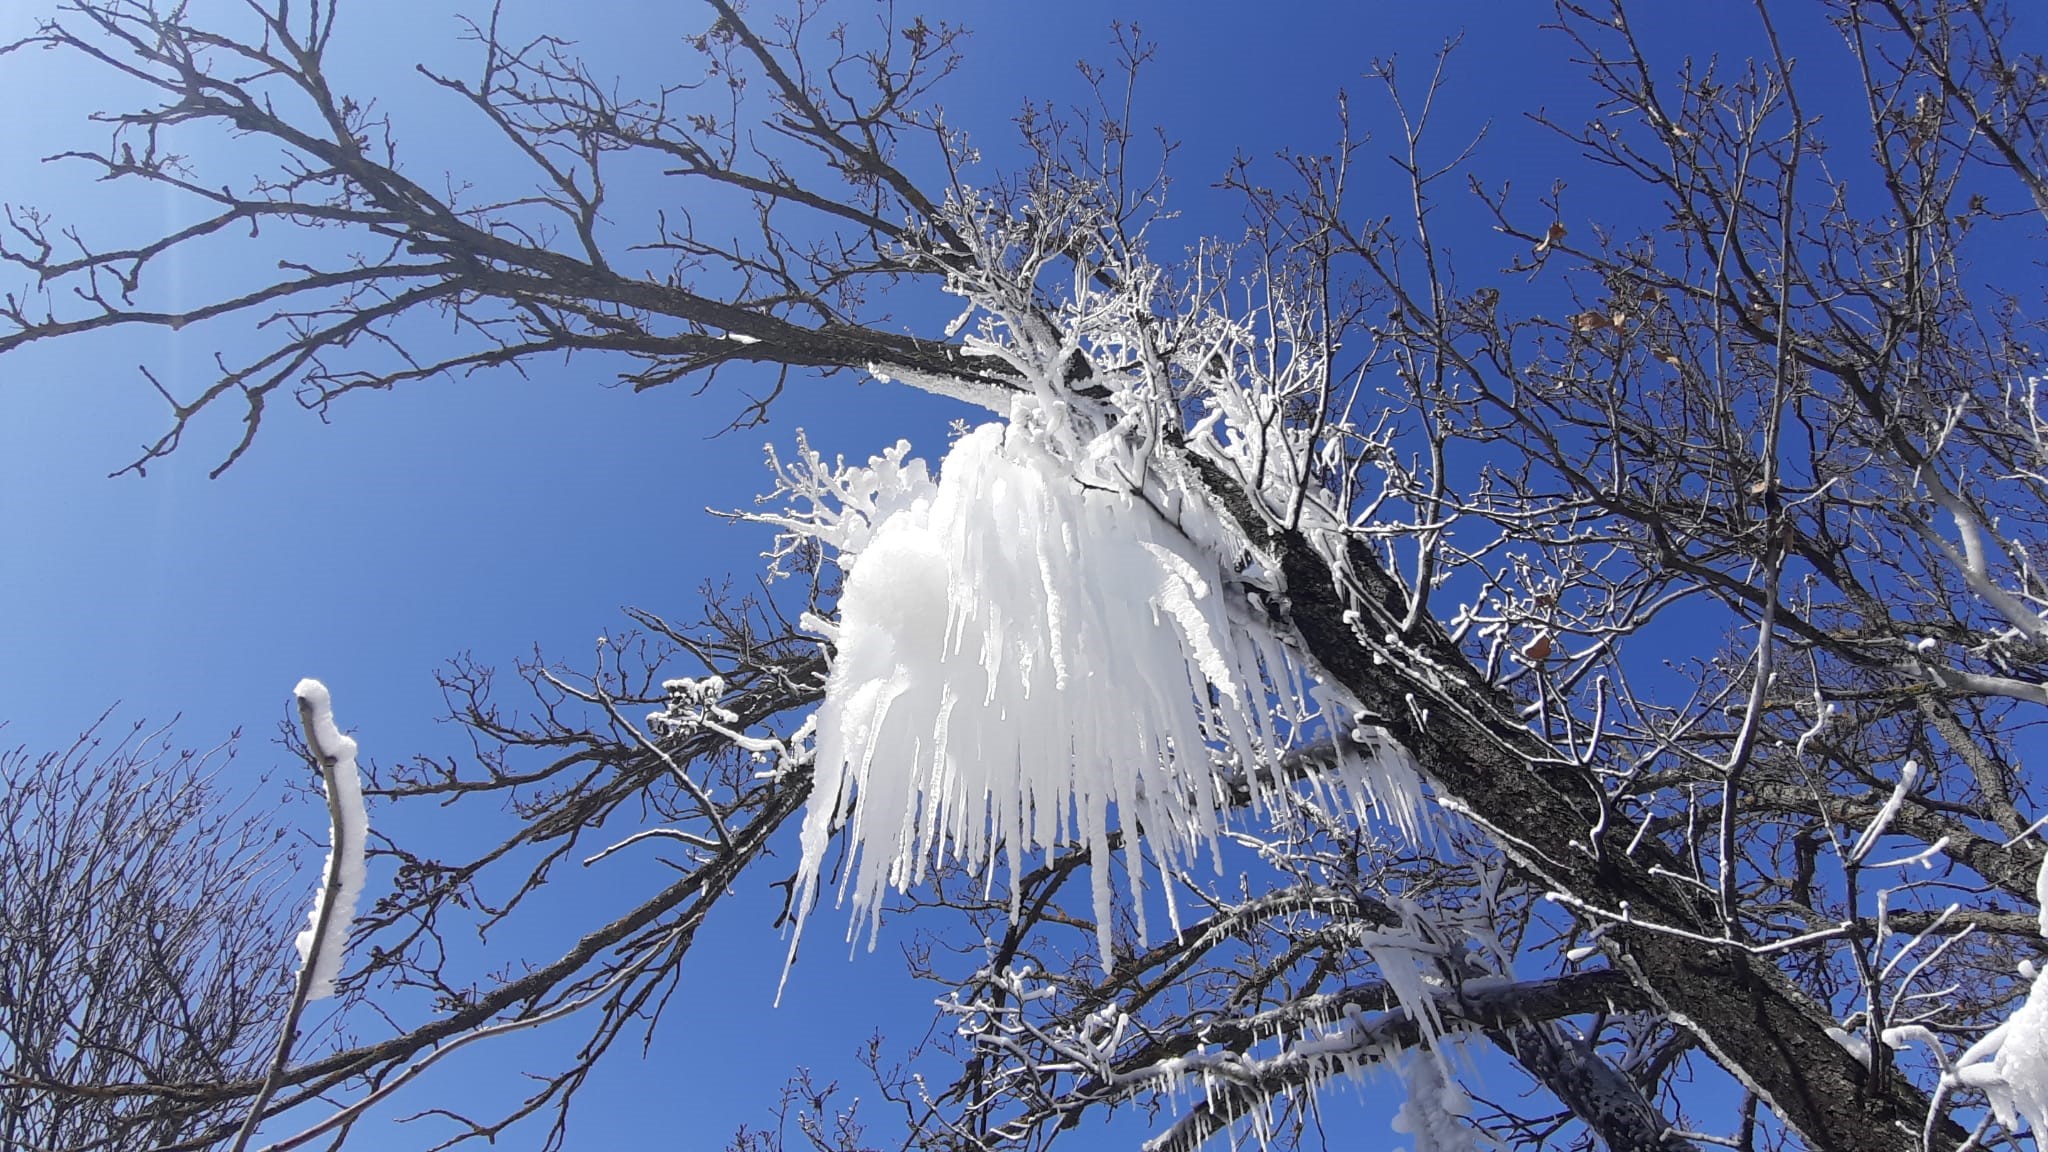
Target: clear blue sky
[492,514]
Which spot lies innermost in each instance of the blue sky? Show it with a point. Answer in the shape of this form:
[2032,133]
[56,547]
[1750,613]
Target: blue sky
[494,514]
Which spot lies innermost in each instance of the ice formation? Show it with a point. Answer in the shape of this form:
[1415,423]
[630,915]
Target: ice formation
[1027,660]
[2010,1064]
[322,946]
[1434,1110]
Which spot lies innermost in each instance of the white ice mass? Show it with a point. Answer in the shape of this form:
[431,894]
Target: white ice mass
[321,945]
[1025,660]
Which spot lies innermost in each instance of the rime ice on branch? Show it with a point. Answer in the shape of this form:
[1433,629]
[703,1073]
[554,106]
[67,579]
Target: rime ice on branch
[322,944]
[1024,659]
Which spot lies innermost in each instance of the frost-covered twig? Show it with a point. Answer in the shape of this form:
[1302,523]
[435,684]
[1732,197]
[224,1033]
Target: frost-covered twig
[1909,775]
[603,699]
[323,943]
[651,834]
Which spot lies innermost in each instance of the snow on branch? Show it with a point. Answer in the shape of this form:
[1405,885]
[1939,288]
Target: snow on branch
[322,944]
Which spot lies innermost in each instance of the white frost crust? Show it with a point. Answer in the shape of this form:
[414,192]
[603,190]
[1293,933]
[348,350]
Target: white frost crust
[350,832]
[1024,660]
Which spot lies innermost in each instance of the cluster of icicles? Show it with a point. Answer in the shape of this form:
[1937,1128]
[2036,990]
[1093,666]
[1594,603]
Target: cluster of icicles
[1024,661]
